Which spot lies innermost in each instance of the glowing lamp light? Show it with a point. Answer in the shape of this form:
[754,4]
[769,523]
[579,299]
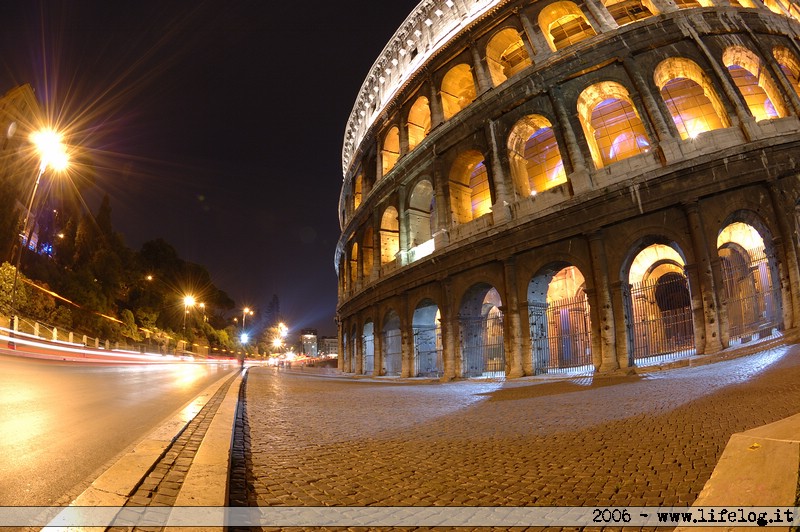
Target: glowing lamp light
[51,149]
[189,301]
[244,338]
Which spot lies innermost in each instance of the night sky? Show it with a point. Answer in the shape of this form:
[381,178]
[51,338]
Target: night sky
[215,125]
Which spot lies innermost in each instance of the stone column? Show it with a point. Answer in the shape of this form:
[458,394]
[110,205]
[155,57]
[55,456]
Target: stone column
[402,222]
[342,362]
[602,16]
[512,330]
[620,296]
[784,246]
[705,275]
[484,81]
[538,41]
[449,323]
[443,215]
[650,104]
[504,190]
[406,340]
[377,343]
[579,177]
[435,103]
[605,308]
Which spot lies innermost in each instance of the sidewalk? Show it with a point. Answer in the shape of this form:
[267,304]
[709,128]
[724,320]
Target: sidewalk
[638,440]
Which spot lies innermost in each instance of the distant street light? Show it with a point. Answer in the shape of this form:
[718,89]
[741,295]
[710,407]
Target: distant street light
[188,301]
[53,154]
[245,312]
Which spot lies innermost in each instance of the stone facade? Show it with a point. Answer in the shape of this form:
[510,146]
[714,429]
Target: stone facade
[552,186]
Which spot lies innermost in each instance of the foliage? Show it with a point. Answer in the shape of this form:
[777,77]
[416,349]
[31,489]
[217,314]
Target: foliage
[107,289]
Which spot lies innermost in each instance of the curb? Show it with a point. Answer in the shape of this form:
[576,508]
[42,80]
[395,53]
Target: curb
[759,467]
[206,480]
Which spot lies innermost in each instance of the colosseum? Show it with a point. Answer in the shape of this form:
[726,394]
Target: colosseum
[555,186]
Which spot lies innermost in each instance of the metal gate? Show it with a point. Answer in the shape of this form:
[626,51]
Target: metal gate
[482,349]
[561,335]
[428,352]
[368,355]
[661,319]
[752,298]
[392,352]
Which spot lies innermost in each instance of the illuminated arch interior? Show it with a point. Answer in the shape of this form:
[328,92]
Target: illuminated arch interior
[653,262]
[690,97]
[789,65]
[358,183]
[367,249]
[506,55]
[759,92]
[740,233]
[419,213]
[458,90]
[611,124]
[627,11]
[419,122]
[390,235]
[566,283]
[391,149]
[470,196]
[354,264]
[535,159]
[564,24]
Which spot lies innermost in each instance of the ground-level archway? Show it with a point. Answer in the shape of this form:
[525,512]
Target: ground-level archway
[426,324]
[481,325]
[658,305]
[558,315]
[392,345]
[368,349]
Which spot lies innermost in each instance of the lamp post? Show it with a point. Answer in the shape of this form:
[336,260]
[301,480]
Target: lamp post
[51,154]
[188,301]
[246,312]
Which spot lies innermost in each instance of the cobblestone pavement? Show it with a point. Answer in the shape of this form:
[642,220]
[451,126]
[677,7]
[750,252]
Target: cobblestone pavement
[642,440]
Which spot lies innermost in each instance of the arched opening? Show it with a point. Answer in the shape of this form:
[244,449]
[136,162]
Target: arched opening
[470,194]
[690,97]
[506,55]
[752,296]
[481,324]
[368,349]
[458,90]
[627,11]
[419,122]
[686,4]
[351,346]
[354,266]
[358,183]
[392,345]
[659,306]
[534,156]
[367,254]
[391,149]
[560,325]
[390,236]
[760,94]
[347,354]
[420,221]
[611,123]
[789,65]
[564,24]
[426,324]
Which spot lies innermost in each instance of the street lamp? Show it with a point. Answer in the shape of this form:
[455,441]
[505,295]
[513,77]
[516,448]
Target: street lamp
[52,153]
[188,301]
[246,312]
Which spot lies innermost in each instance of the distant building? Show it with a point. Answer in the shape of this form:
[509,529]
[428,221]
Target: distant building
[308,341]
[328,346]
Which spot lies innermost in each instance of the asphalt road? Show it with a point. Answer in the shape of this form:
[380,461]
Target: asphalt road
[62,423]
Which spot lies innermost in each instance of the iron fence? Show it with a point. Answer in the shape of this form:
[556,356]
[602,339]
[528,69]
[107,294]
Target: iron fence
[392,352]
[482,349]
[428,352]
[751,296]
[561,335]
[661,319]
